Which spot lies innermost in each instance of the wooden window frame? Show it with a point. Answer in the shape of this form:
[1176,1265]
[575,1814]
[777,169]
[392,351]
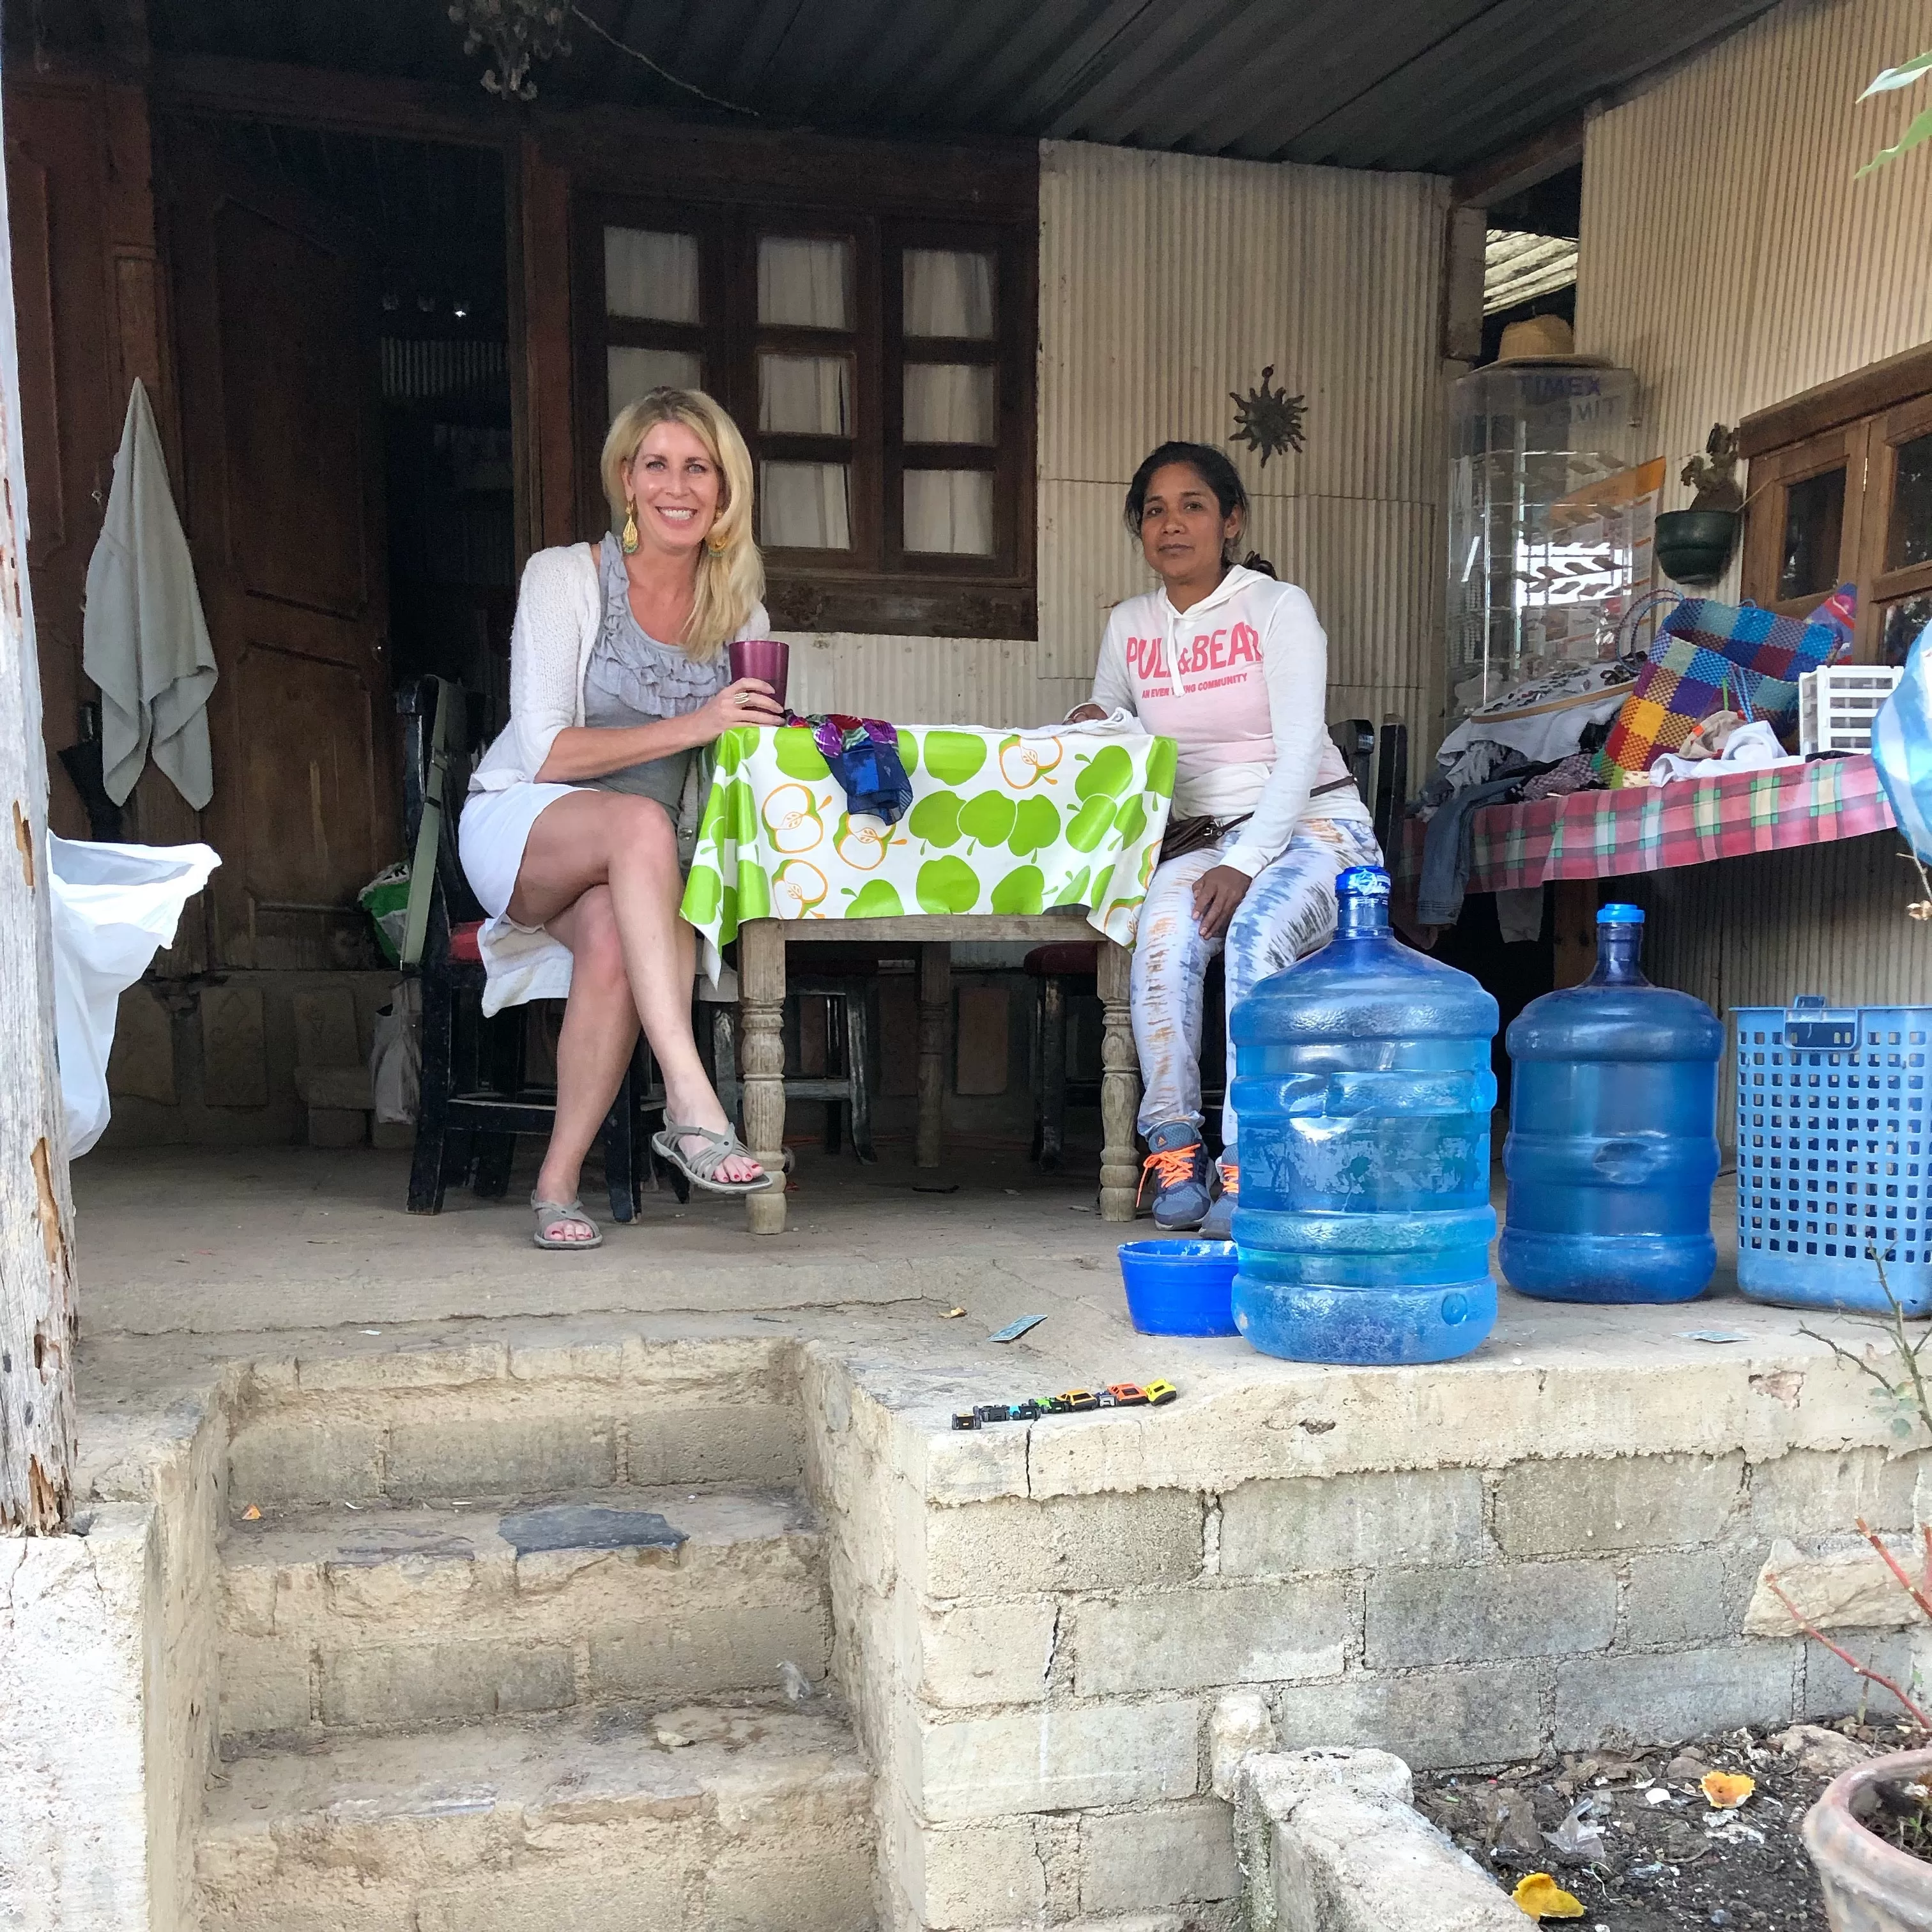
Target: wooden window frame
[1857,422]
[876,587]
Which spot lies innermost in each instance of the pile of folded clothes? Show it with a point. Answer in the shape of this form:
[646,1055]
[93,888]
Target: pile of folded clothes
[1537,741]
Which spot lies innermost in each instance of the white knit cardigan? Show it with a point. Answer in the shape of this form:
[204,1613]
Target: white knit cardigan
[559,610]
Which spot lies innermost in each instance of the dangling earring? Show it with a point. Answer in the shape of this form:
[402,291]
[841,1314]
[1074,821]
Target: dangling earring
[629,538]
[717,546]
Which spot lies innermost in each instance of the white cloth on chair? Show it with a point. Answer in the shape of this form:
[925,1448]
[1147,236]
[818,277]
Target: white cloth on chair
[144,640]
[114,908]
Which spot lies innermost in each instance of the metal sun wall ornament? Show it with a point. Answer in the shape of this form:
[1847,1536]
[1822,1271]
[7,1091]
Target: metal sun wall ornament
[518,33]
[1268,420]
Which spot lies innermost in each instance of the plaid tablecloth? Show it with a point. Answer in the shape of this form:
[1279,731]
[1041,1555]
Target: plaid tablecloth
[1599,835]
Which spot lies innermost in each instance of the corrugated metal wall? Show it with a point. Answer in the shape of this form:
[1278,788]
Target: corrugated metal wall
[1728,257]
[1166,282]
[927,680]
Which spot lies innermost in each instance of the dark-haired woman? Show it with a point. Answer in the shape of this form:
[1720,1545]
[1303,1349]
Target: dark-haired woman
[1233,667]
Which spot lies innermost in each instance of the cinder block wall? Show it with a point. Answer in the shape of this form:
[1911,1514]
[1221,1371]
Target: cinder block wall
[1034,1625]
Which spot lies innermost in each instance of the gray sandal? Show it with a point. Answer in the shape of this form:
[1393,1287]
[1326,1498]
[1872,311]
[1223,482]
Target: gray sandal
[549,1213]
[700,1169]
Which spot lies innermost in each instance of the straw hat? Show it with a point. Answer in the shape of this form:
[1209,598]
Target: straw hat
[1543,338]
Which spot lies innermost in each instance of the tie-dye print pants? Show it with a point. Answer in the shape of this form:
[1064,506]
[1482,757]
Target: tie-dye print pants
[1289,911]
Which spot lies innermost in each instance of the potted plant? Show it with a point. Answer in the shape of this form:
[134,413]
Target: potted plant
[1870,1835]
[1694,545]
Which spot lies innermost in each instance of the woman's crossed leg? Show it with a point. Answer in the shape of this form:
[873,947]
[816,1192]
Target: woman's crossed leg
[600,872]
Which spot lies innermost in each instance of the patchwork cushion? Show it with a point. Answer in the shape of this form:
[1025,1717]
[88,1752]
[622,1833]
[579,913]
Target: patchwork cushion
[1709,656]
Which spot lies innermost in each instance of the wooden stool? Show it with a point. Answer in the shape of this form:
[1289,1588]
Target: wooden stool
[1063,969]
[849,987]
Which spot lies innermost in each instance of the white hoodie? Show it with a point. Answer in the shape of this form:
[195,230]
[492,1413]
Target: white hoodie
[1239,682]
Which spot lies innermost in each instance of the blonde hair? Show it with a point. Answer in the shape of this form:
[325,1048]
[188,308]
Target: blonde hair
[730,576]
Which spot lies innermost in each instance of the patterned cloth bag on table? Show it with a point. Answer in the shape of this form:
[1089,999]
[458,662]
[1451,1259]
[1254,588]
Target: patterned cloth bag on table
[1708,654]
[1901,744]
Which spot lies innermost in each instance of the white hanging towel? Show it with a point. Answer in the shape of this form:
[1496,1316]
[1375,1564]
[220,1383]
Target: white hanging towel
[144,639]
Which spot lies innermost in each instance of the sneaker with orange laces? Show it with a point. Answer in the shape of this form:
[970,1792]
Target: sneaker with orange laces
[1176,1164]
[1218,1225]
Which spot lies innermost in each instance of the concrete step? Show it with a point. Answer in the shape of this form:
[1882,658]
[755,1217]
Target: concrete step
[482,1421]
[703,1820]
[386,1618]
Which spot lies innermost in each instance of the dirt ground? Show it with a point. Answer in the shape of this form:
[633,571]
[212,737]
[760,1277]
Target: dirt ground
[1635,1838]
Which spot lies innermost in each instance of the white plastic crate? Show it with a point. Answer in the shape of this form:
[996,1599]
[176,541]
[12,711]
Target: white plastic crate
[1836,705]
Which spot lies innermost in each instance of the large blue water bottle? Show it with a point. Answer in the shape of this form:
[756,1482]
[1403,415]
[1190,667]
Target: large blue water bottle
[1612,1144]
[1363,1087]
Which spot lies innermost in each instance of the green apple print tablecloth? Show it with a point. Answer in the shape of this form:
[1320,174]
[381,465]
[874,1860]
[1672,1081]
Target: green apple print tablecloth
[999,823]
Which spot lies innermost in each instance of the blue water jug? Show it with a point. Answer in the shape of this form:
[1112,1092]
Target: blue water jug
[1612,1145]
[1363,1090]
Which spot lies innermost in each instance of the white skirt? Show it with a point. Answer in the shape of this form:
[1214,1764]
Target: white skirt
[523,962]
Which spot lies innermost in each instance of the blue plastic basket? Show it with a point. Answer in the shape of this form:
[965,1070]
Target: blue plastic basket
[1180,1287]
[1834,1155]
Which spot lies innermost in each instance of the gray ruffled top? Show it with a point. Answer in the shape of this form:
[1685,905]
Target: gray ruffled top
[631,678]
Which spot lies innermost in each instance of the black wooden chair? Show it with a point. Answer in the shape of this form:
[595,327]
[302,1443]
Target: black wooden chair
[476,1097]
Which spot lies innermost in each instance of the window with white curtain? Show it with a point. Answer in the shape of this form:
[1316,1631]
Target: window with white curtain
[949,292]
[806,505]
[650,275]
[881,367]
[633,372]
[805,282]
[949,512]
[948,402]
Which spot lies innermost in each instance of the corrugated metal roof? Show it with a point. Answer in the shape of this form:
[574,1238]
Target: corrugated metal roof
[1518,267]
[1434,85]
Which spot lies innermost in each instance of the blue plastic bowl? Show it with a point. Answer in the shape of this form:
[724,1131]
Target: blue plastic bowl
[1180,1288]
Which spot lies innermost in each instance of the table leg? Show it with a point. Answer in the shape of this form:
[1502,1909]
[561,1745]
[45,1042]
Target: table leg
[761,996]
[935,996]
[1120,1089]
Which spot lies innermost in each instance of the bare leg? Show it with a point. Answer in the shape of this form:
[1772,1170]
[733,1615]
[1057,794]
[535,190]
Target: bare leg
[627,844]
[594,1046]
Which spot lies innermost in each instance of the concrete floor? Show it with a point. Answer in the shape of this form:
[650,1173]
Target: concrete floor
[224,1253]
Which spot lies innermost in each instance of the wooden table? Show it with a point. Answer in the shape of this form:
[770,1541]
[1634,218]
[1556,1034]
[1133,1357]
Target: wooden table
[761,995]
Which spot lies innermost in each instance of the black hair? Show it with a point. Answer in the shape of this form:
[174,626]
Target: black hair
[1214,469]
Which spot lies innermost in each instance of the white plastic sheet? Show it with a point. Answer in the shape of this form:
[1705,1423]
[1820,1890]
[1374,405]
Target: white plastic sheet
[115,907]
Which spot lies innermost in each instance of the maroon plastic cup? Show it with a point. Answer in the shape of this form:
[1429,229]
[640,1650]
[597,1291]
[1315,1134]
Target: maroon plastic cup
[767,658]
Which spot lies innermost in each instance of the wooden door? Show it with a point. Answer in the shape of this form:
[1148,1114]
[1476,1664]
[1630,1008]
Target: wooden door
[280,414]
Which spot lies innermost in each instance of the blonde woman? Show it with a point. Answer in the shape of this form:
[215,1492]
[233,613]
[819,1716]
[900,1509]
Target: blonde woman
[617,676]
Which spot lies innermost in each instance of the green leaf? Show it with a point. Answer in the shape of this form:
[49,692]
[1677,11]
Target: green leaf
[1921,130]
[1899,76]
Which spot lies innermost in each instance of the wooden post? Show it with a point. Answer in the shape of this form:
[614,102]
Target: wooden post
[1120,1087]
[935,1001]
[37,1321]
[761,998]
